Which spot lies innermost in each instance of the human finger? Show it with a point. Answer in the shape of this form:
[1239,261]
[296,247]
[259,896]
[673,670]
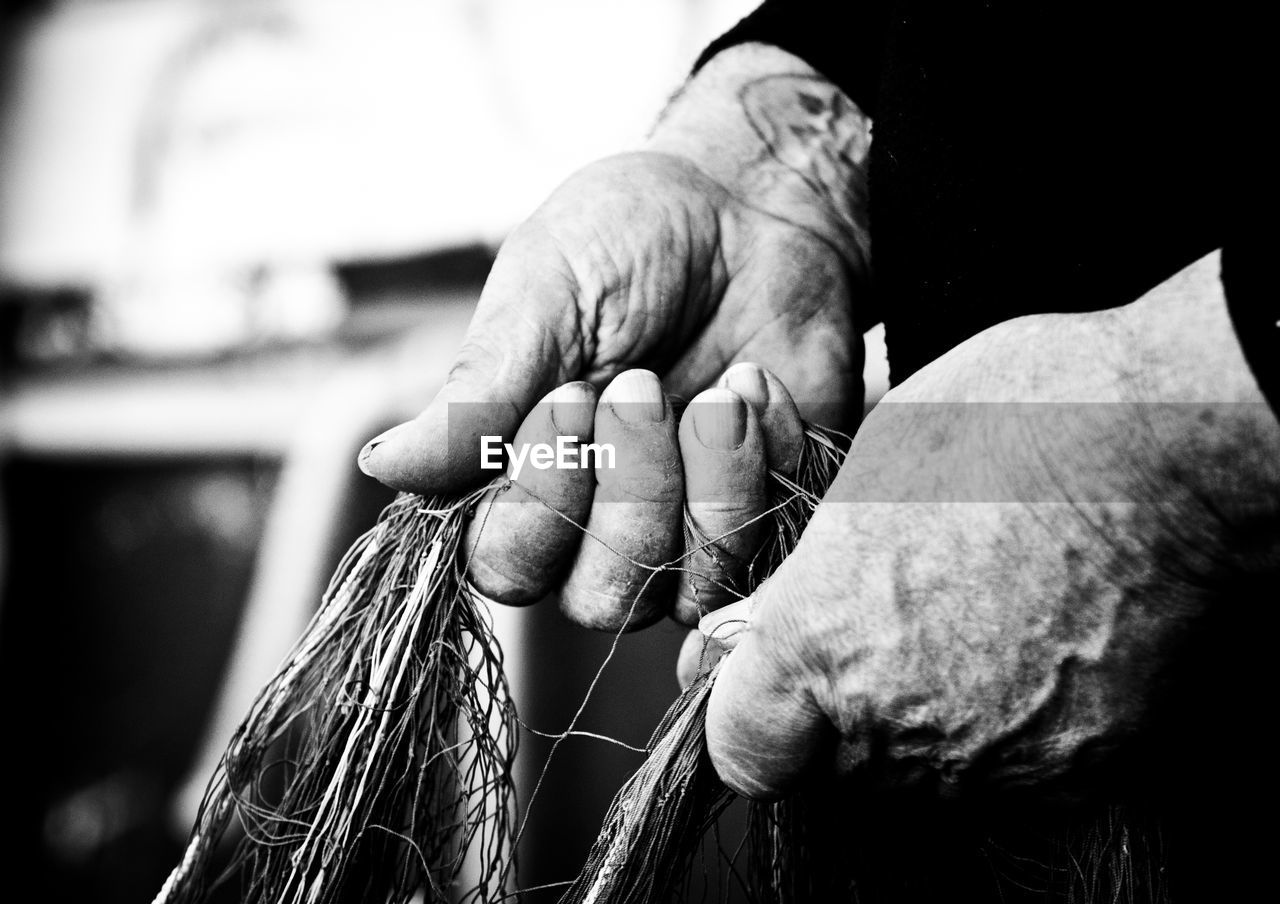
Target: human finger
[777,413]
[615,580]
[513,353]
[524,535]
[717,634]
[723,455]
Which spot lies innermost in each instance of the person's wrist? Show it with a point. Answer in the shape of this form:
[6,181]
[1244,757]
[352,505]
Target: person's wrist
[780,139]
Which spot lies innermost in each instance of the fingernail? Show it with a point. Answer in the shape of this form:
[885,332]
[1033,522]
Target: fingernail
[720,419]
[383,438]
[636,397]
[572,409]
[748,381]
[729,624]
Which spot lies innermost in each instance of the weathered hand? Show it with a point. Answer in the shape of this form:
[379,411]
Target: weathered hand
[738,234]
[992,593]
[637,261]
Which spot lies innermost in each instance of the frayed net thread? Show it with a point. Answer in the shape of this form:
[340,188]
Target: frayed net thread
[380,757]
[388,734]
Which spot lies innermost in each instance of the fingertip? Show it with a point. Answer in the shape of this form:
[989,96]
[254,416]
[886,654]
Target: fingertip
[436,452]
[441,450]
[635,396]
[775,409]
[573,409]
[494,383]
[701,652]
[747,380]
[719,419]
[689,662]
[720,422]
[634,418]
[727,625]
[389,457]
[373,464]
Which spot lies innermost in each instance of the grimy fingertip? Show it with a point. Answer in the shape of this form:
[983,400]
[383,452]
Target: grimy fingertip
[779,418]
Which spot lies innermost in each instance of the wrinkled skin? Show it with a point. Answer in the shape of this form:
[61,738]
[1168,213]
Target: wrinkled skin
[639,263]
[1008,642]
[737,234]
[973,602]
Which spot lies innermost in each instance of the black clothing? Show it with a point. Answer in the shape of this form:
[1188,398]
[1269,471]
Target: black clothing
[1032,157]
[1036,157]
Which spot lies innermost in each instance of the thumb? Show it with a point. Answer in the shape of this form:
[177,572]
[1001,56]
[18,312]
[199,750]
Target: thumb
[764,728]
[512,356]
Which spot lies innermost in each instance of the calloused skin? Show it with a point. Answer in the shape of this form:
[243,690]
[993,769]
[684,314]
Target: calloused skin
[654,262]
[922,630]
[638,264]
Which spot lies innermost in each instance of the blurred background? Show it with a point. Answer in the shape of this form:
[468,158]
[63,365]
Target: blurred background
[237,239]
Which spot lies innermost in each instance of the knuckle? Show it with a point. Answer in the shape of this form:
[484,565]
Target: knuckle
[475,356]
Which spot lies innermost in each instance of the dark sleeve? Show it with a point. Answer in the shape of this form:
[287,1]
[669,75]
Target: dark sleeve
[1250,236]
[1255,312]
[843,41]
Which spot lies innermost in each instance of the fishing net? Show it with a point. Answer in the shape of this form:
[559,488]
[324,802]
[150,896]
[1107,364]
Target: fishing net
[377,764]
[380,755]
[654,826]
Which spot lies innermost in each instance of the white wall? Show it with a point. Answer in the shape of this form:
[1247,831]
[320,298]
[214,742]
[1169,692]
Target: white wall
[305,129]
